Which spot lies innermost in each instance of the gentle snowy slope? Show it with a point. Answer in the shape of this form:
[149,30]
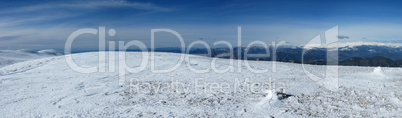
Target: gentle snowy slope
[8,57]
[48,87]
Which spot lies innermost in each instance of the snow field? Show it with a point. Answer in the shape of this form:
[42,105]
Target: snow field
[48,87]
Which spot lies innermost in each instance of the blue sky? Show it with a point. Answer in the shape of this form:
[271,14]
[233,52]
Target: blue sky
[47,24]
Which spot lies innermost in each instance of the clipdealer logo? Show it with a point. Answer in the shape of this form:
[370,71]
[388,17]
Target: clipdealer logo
[330,81]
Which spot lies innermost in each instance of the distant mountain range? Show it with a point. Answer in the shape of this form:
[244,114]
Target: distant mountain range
[350,54]
[371,61]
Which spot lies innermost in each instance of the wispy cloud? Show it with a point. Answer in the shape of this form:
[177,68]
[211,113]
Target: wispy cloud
[102,4]
[15,21]
[87,5]
[9,37]
[343,37]
[37,14]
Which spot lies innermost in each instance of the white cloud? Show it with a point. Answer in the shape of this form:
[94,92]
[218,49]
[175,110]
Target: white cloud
[6,22]
[100,4]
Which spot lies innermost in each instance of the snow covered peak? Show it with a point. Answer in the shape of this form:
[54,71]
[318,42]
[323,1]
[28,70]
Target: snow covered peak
[26,51]
[50,52]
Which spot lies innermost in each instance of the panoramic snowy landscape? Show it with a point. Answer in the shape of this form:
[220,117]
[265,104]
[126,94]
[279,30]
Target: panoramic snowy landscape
[49,87]
[200,58]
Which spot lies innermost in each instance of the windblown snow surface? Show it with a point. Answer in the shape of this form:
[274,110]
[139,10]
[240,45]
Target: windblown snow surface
[48,87]
[8,57]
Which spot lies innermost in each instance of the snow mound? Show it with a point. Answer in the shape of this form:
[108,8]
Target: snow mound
[267,100]
[378,72]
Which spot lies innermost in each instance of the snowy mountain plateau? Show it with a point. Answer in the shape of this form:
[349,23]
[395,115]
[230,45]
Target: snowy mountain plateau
[50,87]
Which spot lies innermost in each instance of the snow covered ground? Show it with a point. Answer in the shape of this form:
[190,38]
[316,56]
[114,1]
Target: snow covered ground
[8,57]
[48,87]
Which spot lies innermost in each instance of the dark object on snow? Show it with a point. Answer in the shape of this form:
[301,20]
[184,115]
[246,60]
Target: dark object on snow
[282,95]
